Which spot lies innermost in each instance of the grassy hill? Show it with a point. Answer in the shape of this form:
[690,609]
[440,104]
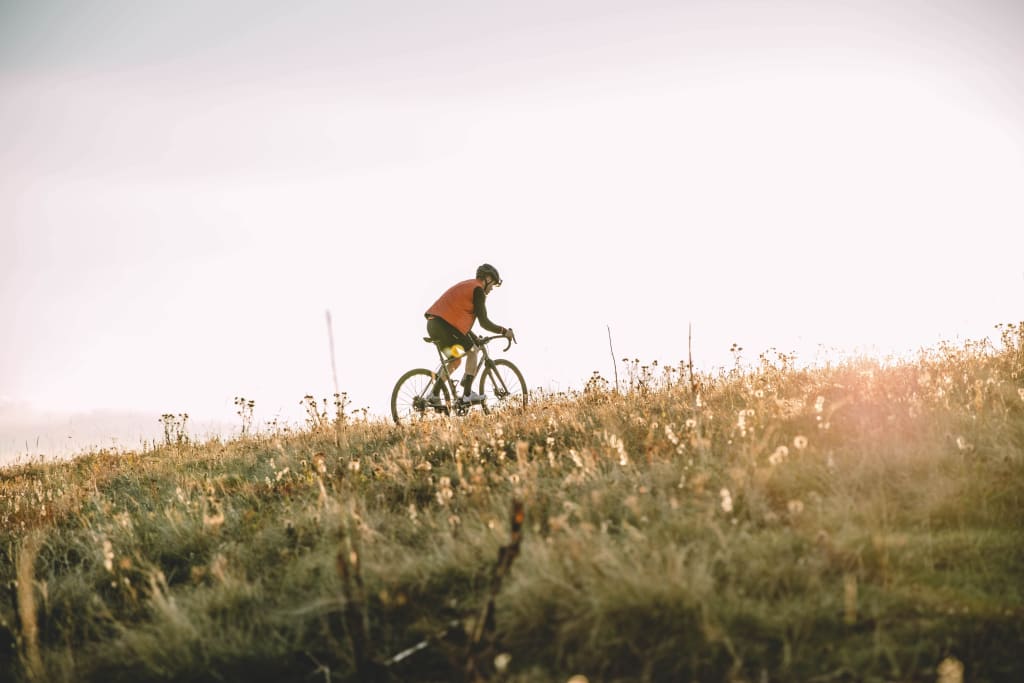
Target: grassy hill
[858,522]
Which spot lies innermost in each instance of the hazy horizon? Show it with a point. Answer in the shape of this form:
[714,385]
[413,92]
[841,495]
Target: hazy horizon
[186,188]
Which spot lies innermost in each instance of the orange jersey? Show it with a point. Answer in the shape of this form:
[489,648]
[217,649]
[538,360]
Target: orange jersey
[456,305]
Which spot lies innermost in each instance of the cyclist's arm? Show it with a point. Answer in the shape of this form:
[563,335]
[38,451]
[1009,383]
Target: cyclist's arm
[480,308]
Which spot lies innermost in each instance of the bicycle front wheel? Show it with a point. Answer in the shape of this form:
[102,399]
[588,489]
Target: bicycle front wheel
[410,399]
[504,387]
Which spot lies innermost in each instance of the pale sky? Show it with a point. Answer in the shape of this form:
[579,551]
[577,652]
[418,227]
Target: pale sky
[187,187]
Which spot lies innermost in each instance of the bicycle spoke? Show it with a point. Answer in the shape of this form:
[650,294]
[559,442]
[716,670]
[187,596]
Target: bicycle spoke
[503,385]
[410,399]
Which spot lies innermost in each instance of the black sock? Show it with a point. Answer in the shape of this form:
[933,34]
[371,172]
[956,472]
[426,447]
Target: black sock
[467,385]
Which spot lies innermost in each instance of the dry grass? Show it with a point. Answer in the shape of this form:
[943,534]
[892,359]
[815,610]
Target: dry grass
[855,522]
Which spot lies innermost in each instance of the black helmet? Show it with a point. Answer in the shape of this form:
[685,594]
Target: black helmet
[487,270]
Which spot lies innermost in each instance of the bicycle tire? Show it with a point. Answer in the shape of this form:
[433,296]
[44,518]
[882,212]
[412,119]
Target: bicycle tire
[408,398]
[503,385]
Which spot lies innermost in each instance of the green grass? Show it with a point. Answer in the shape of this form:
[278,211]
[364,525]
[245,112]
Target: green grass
[667,538]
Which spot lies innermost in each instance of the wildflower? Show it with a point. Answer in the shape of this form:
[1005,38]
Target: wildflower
[108,555]
[759,393]
[616,443]
[501,662]
[800,442]
[795,507]
[444,490]
[819,404]
[726,500]
[691,423]
[354,465]
[950,670]
[780,454]
[671,435]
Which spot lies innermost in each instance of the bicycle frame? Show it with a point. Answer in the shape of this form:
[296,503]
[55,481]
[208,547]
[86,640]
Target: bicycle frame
[485,364]
[501,384]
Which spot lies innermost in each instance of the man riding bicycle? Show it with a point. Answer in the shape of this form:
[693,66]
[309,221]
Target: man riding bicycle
[449,323]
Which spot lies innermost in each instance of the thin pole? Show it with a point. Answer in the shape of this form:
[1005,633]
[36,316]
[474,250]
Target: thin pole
[330,343]
[614,363]
[693,385]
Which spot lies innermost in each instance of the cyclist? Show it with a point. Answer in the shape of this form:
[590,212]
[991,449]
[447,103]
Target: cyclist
[449,323]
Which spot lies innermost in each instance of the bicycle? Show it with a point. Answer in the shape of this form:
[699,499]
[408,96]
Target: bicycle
[501,384]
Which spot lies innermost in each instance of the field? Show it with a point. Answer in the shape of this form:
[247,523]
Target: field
[862,521]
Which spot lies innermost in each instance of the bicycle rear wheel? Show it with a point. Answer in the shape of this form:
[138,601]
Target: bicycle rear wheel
[410,398]
[504,387]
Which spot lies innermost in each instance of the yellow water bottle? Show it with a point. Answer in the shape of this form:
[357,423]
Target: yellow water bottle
[454,351]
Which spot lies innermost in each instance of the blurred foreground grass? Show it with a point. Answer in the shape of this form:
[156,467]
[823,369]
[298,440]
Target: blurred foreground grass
[863,521]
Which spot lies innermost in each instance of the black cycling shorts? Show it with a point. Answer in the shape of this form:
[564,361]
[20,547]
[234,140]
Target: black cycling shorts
[445,335]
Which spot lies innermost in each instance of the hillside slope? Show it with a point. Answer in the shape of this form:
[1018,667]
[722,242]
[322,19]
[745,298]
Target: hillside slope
[857,522]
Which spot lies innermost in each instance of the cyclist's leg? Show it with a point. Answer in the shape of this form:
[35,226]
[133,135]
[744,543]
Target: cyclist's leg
[472,364]
[446,336]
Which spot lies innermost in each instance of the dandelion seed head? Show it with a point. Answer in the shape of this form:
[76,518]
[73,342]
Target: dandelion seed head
[671,435]
[778,456]
[800,442]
